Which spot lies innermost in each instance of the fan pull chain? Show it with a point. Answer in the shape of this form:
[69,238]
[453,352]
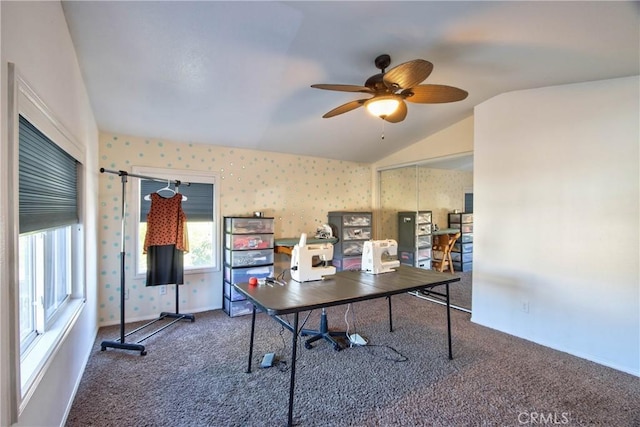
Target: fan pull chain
[382,136]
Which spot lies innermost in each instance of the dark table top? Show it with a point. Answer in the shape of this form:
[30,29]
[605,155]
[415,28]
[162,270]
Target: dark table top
[342,288]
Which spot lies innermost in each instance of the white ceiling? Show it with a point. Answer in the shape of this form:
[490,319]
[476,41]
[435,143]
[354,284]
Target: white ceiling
[239,73]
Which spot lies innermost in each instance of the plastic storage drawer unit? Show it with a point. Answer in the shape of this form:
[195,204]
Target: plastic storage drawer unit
[248,252]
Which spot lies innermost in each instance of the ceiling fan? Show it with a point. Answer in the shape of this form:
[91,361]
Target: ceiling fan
[391,88]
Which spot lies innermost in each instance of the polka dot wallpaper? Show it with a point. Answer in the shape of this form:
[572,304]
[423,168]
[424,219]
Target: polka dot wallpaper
[441,191]
[297,191]
[398,192]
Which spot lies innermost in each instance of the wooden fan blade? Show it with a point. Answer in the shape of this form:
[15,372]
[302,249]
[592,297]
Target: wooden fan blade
[434,94]
[399,115]
[343,88]
[408,74]
[345,108]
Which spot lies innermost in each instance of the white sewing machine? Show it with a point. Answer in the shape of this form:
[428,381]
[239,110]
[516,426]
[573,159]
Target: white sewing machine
[309,262]
[378,256]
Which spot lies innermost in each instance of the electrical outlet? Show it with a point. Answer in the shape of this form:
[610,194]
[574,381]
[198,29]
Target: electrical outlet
[163,289]
[524,306]
[126,293]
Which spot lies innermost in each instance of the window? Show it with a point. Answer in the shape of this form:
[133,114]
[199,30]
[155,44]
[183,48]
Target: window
[45,280]
[45,181]
[199,207]
[48,214]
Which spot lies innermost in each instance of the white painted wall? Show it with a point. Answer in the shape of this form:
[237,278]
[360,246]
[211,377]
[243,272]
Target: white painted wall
[35,37]
[556,219]
[455,140]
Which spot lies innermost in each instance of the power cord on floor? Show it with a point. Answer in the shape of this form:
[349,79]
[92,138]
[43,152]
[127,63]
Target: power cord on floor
[354,339]
[398,357]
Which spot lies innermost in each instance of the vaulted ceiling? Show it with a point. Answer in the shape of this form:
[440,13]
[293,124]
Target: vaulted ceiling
[239,73]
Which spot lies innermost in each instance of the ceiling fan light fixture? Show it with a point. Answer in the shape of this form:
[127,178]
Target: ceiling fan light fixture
[390,89]
[382,106]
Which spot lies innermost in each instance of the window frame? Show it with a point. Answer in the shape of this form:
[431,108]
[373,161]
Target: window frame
[30,368]
[185,175]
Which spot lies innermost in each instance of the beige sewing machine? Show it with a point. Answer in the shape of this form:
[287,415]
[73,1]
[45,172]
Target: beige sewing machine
[310,262]
[380,256]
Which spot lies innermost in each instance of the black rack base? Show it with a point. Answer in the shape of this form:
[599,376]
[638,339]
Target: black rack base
[120,344]
[180,316]
[124,346]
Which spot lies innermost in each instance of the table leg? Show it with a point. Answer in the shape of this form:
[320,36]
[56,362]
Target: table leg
[292,383]
[390,316]
[449,322]
[253,328]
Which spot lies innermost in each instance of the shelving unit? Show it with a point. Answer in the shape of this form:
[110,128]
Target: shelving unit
[352,229]
[248,252]
[462,252]
[414,239]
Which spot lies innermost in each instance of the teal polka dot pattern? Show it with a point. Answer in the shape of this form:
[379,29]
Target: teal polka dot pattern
[297,191]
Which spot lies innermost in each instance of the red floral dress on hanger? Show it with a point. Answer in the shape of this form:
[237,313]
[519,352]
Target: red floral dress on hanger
[166,240]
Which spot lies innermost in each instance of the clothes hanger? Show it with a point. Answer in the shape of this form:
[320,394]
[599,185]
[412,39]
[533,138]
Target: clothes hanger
[167,188]
[178,191]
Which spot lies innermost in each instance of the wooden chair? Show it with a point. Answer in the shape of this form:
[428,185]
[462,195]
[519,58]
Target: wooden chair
[441,251]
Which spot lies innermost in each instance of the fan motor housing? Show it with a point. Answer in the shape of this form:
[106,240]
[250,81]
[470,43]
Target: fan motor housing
[375,82]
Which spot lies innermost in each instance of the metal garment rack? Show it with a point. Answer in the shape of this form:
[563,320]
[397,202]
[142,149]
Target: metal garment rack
[120,343]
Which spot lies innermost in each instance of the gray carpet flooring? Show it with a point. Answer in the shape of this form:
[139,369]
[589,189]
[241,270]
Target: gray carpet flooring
[194,375]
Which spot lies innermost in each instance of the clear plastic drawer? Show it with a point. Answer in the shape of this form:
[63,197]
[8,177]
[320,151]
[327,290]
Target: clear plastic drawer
[463,266]
[242,275]
[238,308]
[352,263]
[247,258]
[352,248]
[406,257]
[458,218]
[231,292]
[423,229]
[424,253]
[248,225]
[356,233]
[248,241]
[424,217]
[464,257]
[424,264]
[356,220]
[424,241]
[463,247]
